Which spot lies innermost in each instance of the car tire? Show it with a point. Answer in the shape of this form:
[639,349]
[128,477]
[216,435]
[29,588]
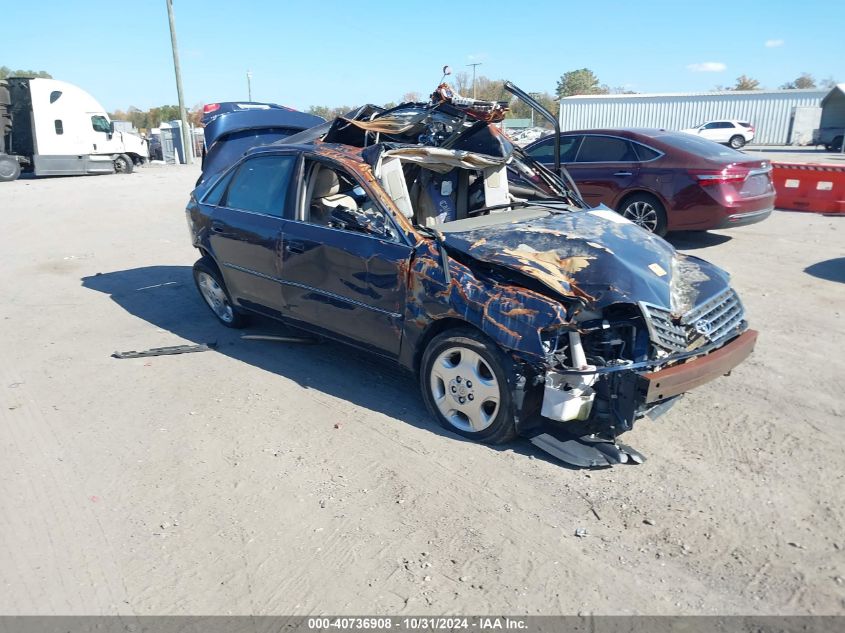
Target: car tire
[645,211]
[836,144]
[462,364]
[213,290]
[10,168]
[737,141]
[123,164]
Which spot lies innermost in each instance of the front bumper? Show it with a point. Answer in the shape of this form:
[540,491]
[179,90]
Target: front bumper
[570,396]
[679,379]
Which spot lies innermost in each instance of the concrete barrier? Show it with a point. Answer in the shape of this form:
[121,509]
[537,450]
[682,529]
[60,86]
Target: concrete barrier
[808,187]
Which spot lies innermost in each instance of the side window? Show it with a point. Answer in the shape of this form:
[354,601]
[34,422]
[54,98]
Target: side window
[334,199]
[261,185]
[711,126]
[645,153]
[214,196]
[100,124]
[59,127]
[605,149]
[543,152]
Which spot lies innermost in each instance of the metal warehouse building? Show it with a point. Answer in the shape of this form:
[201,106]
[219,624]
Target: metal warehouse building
[780,117]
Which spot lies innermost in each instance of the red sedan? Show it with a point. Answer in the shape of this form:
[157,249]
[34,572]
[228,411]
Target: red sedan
[664,181]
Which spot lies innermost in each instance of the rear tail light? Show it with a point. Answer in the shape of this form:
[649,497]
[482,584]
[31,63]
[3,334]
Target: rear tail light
[210,107]
[708,177]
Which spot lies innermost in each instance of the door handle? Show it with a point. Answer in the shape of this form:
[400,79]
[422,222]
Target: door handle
[295,247]
[623,173]
[217,227]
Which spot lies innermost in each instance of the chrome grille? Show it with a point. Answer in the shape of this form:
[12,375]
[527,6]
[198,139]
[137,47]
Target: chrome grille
[712,320]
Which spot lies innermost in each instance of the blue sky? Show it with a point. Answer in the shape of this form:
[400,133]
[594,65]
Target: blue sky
[346,53]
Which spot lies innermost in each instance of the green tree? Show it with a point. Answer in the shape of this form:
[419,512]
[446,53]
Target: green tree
[521,110]
[580,82]
[744,82]
[6,72]
[329,113]
[803,82]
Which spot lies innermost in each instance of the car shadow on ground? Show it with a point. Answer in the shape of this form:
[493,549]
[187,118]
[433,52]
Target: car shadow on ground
[692,240]
[165,297]
[830,269]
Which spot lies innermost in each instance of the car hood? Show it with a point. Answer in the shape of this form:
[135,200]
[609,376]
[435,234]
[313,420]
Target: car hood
[596,256]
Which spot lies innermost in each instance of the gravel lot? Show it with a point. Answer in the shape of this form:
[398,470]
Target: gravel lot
[276,479]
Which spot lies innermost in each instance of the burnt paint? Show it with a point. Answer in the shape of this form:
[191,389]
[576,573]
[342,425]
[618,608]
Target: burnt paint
[595,257]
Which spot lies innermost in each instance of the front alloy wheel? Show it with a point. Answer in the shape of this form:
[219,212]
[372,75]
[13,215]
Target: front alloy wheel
[465,389]
[464,382]
[645,211]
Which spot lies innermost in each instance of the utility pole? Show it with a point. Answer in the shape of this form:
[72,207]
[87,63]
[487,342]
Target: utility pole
[249,84]
[187,142]
[535,95]
[473,76]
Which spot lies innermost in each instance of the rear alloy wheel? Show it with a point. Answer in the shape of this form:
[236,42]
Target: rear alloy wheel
[123,164]
[645,211]
[464,384]
[213,291]
[10,168]
[737,141]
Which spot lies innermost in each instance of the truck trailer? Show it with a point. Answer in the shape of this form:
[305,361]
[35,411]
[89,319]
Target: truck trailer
[53,128]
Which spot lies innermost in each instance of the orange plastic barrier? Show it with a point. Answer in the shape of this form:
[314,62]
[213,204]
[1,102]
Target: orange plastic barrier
[805,187]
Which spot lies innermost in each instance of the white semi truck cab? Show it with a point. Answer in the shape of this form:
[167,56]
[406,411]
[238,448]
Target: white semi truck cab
[53,128]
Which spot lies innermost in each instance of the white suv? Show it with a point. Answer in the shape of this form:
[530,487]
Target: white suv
[733,133]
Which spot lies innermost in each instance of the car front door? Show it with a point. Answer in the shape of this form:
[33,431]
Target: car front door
[716,131]
[246,221]
[604,168]
[344,262]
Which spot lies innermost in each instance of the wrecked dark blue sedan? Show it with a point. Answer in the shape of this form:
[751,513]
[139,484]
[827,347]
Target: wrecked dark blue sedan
[423,235]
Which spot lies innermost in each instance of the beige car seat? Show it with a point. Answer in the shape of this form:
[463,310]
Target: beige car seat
[325,196]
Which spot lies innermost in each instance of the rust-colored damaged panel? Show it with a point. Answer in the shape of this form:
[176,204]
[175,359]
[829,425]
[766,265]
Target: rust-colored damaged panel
[682,378]
[512,315]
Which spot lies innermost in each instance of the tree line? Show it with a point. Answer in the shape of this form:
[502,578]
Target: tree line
[154,117]
[582,81]
[6,72]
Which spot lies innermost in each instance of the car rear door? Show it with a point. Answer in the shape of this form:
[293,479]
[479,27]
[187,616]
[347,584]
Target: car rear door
[604,168]
[340,281]
[245,229]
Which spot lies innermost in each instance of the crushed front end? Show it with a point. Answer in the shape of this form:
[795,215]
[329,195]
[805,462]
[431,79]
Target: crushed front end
[630,361]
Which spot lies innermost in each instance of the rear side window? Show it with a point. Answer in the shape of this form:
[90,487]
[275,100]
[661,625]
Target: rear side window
[645,153]
[261,185]
[700,146]
[216,194]
[605,149]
